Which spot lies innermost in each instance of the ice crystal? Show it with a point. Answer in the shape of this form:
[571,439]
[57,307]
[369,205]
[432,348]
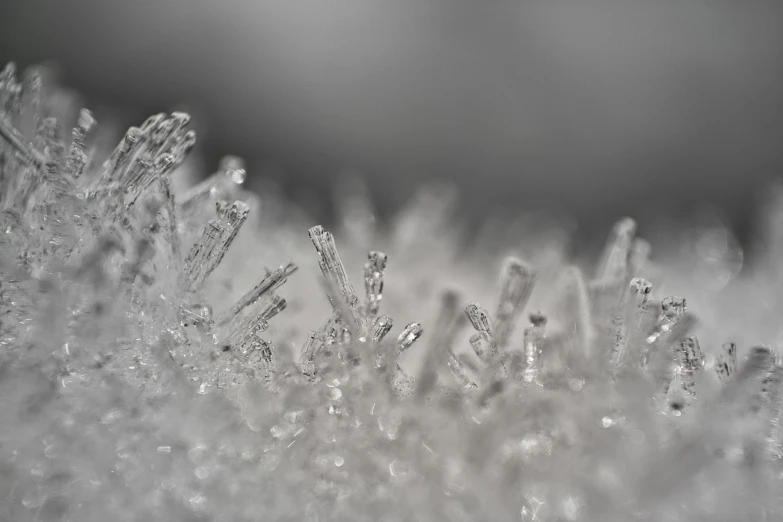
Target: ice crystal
[147,365]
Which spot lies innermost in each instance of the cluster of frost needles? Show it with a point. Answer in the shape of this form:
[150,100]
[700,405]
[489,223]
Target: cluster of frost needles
[140,381]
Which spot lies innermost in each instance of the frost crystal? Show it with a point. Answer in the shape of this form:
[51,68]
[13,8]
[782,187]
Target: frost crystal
[124,397]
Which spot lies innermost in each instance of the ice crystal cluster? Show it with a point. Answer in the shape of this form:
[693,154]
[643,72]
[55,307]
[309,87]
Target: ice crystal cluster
[153,368]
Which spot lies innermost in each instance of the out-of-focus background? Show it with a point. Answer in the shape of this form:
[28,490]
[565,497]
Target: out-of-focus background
[593,108]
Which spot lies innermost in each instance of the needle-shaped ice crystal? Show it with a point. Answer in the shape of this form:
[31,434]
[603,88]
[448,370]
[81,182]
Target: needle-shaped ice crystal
[246,332]
[77,157]
[691,361]
[614,261]
[373,282]
[271,282]
[726,363]
[223,184]
[382,325]
[171,232]
[631,325]
[533,344]
[214,240]
[516,284]
[409,335]
[447,326]
[334,272]
[307,356]
[658,358]
[20,144]
[482,342]
[672,310]
[775,425]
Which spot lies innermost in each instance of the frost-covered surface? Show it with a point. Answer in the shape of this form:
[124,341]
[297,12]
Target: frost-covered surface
[153,368]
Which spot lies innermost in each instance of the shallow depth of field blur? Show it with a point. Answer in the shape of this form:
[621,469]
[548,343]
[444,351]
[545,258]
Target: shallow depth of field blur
[154,365]
[591,110]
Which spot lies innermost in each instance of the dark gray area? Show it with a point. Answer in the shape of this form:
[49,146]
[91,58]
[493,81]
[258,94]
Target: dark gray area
[595,108]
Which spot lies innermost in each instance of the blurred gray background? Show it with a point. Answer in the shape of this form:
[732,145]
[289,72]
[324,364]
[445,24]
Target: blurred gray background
[593,108]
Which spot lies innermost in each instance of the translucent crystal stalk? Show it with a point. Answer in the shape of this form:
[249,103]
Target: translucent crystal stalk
[220,185]
[17,141]
[403,385]
[691,361]
[482,342]
[334,272]
[307,362]
[672,310]
[658,360]
[373,282]
[775,430]
[77,157]
[447,326]
[144,174]
[113,167]
[245,334]
[172,233]
[271,282]
[640,255]
[10,92]
[614,261]
[214,240]
[517,279]
[198,315]
[54,177]
[409,335]
[381,327]
[726,363]
[577,314]
[631,326]
[533,344]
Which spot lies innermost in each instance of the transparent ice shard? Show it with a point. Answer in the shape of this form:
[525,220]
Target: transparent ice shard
[143,174]
[482,342]
[10,92]
[533,344]
[726,363]
[403,385]
[517,279]
[640,254]
[56,183]
[575,310]
[244,335]
[333,332]
[447,326]
[614,261]
[631,327]
[658,359]
[77,155]
[373,282]
[271,282]
[144,154]
[690,362]
[20,144]
[213,242]
[336,277]
[223,184]
[409,335]
[198,315]
[775,426]
[672,310]
[171,230]
[307,357]
[114,166]
[381,327]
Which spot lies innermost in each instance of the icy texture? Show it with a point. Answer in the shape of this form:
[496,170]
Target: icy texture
[124,396]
